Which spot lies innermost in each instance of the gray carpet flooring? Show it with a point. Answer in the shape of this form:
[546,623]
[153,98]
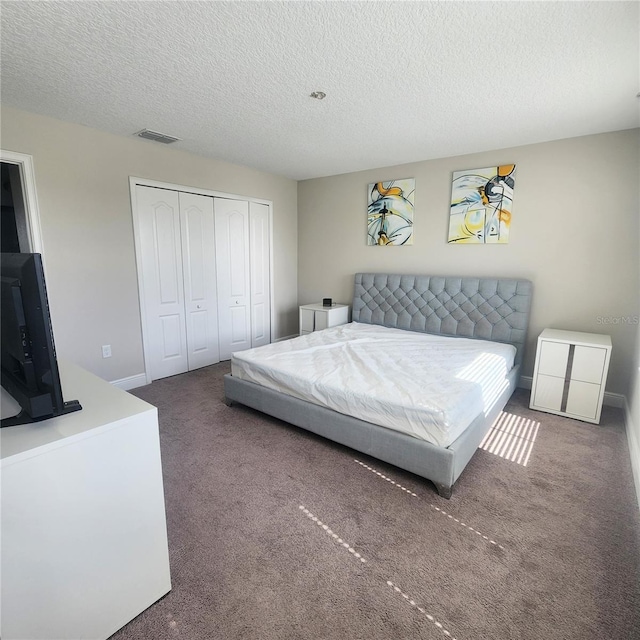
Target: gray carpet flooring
[275,533]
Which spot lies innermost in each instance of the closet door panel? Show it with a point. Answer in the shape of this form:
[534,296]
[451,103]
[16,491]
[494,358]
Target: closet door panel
[165,260]
[259,242]
[236,240]
[170,329]
[238,327]
[199,268]
[158,223]
[232,268]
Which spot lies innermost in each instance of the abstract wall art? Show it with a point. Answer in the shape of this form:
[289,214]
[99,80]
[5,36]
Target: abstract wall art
[390,212]
[481,203]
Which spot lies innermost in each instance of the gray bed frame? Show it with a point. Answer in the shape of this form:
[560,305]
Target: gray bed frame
[482,308]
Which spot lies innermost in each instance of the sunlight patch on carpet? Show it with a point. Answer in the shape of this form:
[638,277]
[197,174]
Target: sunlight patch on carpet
[330,532]
[413,603]
[466,526]
[415,495]
[511,437]
[381,475]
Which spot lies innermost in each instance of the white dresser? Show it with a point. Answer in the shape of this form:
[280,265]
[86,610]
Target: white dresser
[84,534]
[570,373]
[314,317]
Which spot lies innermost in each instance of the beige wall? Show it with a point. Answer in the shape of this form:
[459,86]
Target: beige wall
[82,180]
[574,234]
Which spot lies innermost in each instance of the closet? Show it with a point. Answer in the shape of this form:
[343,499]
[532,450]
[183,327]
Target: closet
[204,277]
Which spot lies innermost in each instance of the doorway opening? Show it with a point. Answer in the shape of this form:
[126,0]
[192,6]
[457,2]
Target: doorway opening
[19,217]
[14,229]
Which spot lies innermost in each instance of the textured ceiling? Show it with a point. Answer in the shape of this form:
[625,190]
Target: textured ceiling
[405,81]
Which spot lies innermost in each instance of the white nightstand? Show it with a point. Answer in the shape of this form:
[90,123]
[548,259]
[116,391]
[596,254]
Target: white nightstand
[314,317]
[570,373]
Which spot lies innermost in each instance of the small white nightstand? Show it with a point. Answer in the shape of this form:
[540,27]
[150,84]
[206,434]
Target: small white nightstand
[314,317]
[570,374]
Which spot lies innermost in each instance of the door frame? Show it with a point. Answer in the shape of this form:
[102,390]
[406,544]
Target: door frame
[144,182]
[24,163]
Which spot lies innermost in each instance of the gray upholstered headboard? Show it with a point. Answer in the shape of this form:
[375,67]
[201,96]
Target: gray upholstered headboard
[484,308]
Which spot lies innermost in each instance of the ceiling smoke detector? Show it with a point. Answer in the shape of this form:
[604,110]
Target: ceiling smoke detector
[147,134]
[318,95]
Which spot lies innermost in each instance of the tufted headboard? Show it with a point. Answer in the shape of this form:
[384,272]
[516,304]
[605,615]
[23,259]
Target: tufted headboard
[485,308]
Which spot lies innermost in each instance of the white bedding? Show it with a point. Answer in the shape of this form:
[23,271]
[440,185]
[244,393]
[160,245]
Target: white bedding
[430,387]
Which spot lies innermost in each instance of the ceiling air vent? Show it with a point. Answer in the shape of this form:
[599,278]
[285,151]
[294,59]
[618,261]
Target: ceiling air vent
[147,134]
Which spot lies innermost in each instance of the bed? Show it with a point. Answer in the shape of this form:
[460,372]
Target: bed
[416,379]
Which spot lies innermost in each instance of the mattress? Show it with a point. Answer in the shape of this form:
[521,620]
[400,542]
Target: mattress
[428,386]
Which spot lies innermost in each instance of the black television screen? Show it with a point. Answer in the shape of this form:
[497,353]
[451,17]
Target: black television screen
[28,364]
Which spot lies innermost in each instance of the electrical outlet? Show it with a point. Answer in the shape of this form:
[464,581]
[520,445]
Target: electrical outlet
[106,350]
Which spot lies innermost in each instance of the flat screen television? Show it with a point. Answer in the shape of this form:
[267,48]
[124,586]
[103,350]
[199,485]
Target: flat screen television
[28,364]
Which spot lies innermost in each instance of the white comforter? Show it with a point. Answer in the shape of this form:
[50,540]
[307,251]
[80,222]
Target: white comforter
[430,387]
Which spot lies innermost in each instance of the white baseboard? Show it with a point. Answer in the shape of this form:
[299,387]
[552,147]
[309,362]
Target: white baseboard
[634,447]
[525,382]
[610,399]
[614,400]
[295,335]
[131,382]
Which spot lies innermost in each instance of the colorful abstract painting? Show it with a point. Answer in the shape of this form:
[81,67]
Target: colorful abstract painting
[481,203]
[390,212]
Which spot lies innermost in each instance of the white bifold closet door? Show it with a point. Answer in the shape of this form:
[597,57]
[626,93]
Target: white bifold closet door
[260,243]
[243,274]
[176,243]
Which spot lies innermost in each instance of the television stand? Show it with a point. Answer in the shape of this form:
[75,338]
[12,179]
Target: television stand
[24,418]
[84,537]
